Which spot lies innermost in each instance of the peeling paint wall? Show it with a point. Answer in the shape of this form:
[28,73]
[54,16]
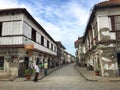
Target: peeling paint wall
[104,34]
[104,47]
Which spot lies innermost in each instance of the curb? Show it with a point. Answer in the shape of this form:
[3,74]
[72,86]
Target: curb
[114,80]
[100,80]
[42,76]
[87,79]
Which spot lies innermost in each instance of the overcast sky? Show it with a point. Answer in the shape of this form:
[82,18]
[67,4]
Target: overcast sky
[64,20]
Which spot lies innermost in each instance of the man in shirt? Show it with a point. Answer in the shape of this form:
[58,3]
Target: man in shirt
[45,68]
[37,70]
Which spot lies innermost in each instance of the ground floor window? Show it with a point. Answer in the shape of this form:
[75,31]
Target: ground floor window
[1,62]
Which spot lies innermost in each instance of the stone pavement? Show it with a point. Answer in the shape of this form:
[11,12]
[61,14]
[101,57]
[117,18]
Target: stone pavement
[41,75]
[90,75]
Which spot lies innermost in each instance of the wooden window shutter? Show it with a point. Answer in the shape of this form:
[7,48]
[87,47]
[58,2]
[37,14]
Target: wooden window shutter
[112,23]
[117,22]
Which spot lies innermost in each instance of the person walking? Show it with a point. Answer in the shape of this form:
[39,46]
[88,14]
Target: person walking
[40,66]
[37,70]
[45,68]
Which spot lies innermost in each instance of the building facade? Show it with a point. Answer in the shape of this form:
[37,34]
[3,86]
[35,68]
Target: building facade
[60,53]
[69,58]
[76,45]
[80,52]
[102,38]
[23,42]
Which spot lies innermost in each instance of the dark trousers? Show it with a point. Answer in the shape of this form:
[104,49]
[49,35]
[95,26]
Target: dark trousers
[45,71]
[36,77]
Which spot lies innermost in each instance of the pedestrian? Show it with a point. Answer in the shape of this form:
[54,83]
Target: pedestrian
[37,70]
[41,66]
[45,68]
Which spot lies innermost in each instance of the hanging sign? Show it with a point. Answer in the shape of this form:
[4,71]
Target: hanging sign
[29,46]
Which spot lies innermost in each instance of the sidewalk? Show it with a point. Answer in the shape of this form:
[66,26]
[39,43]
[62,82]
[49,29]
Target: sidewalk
[90,75]
[41,75]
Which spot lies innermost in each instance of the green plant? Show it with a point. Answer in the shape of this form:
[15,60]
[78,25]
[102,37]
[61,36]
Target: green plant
[28,71]
[98,70]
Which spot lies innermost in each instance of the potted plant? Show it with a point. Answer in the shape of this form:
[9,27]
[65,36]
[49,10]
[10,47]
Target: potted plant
[28,73]
[97,71]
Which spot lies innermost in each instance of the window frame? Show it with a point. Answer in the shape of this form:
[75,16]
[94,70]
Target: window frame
[117,32]
[48,44]
[0,29]
[33,35]
[2,58]
[51,46]
[42,40]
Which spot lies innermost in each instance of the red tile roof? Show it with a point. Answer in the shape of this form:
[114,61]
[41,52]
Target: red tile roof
[101,5]
[76,43]
[108,3]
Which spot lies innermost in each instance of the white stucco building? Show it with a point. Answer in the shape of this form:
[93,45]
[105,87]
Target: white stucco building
[23,41]
[102,38]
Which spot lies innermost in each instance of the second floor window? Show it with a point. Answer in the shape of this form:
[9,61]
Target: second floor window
[95,34]
[42,40]
[51,46]
[115,23]
[55,48]
[33,35]
[47,44]
[0,28]
[95,30]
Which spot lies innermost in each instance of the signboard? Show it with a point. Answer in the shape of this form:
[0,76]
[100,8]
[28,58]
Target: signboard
[29,46]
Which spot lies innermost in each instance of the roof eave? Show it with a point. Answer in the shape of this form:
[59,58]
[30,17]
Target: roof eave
[29,16]
[93,14]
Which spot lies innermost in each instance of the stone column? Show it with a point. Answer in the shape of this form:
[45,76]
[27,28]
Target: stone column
[101,62]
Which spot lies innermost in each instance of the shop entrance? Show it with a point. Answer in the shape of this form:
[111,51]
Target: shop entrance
[118,60]
[22,66]
[26,62]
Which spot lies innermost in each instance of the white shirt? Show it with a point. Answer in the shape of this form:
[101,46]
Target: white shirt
[37,69]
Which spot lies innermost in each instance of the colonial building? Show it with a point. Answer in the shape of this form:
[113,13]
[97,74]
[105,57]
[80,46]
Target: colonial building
[66,55]
[102,38]
[80,51]
[76,45]
[69,58]
[23,42]
[60,53]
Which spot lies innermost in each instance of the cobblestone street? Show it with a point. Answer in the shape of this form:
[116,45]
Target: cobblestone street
[66,78]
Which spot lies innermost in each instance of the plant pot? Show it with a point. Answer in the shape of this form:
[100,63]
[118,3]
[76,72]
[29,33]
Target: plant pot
[28,77]
[97,73]
[28,73]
